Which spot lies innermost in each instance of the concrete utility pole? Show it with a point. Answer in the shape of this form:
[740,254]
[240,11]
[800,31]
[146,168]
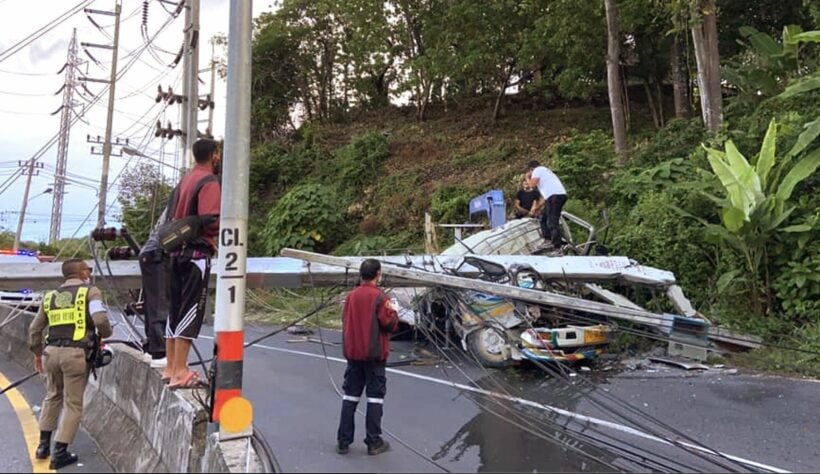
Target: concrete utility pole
[112,82]
[211,98]
[30,165]
[190,77]
[71,65]
[234,413]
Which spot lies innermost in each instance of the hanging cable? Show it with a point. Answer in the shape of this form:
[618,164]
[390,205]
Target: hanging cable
[17,47]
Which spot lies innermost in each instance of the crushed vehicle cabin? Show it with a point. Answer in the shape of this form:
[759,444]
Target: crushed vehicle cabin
[506,295]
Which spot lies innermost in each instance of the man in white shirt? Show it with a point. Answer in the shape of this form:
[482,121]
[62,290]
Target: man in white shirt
[554,196]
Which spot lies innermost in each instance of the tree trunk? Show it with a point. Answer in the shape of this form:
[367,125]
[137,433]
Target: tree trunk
[614,79]
[502,91]
[651,101]
[705,39]
[625,96]
[659,89]
[680,79]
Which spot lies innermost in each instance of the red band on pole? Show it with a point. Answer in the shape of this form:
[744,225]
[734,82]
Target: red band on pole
[222,396]
[230,344]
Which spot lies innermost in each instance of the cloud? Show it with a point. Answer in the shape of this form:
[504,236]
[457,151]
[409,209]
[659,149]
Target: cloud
[48,51]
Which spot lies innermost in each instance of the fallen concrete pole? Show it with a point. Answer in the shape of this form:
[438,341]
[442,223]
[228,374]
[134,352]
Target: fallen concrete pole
[427,278]
[268,272]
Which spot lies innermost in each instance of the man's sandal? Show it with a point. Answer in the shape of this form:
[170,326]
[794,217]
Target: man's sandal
[191,381]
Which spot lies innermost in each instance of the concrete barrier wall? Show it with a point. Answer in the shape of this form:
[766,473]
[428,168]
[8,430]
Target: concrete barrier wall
[137,423]
[168,426]
[230,456]
[14,336]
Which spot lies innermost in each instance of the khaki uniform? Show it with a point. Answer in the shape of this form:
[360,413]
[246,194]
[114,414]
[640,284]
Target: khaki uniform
[64,363]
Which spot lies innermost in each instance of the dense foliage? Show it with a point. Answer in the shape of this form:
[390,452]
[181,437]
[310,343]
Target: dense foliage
[369,113]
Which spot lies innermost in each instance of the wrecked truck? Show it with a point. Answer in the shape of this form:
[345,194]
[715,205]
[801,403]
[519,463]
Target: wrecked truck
[501,331]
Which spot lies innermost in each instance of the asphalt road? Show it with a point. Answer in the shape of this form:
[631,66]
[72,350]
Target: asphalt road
[14,457]
[458,417]
[769,422]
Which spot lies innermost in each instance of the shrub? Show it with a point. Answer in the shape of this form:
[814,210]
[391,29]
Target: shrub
[363,245]
[676,140]
[450,204]
[797,284]
[654,234]
[585,164]
[399,201]
[359,164]
[307,217]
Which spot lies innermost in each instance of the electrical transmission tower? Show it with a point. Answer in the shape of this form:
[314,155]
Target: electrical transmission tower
[71,68]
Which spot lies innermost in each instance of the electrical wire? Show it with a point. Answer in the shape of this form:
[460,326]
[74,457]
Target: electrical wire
[17,47]
[9,181]
[22,73]
[623,404]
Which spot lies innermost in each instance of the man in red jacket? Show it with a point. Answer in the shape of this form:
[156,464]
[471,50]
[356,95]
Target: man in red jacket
[367,322]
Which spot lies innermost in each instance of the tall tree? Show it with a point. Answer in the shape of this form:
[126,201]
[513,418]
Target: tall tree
[613,77]
[680,78]
[705,39]
[143,196]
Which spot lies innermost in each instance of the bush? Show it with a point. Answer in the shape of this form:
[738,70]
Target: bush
[363,245]
[585,164]
[797,284]
[275,169]
[654,234]
[359,164]
[307,217]
[676,140]
[451,204]
[399,201]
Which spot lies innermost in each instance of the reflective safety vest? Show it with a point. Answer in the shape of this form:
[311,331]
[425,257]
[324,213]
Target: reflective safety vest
[66,312]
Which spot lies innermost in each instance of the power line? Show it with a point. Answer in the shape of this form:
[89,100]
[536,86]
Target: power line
[39,154]
[21,73]
[25,94]
[43,30]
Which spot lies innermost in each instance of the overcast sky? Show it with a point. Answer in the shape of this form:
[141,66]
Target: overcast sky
[28,81]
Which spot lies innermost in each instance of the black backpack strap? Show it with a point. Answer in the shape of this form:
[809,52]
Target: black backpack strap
[171,208]
[193,206]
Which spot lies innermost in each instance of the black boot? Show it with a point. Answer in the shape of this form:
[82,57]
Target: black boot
[44,448]
[62,457]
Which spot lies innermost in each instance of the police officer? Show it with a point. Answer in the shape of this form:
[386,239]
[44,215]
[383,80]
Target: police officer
[74,316]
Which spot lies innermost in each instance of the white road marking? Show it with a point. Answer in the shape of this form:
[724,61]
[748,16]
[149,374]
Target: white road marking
[530,403]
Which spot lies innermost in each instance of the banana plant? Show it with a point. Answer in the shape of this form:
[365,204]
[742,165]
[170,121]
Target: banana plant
[756,198]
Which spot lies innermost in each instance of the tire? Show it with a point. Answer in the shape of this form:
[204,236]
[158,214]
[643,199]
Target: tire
[488,346]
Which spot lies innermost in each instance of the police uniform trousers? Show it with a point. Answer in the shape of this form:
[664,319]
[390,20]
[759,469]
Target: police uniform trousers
[67,375]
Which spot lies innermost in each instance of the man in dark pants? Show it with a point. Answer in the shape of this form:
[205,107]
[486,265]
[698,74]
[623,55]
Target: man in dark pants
[155,269]
[555,197]
[367,321]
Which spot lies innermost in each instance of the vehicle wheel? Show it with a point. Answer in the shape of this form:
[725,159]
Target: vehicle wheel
[491,348]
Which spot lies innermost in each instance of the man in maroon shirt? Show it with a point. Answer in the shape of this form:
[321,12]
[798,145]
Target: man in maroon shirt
[367,321]
[197,194]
